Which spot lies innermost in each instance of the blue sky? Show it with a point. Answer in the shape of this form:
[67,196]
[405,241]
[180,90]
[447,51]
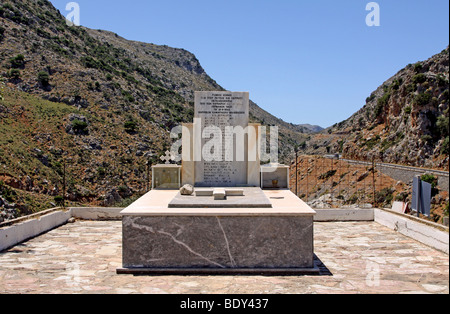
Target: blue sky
[303,61]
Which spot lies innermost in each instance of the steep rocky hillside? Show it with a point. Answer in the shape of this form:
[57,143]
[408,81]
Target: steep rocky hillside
[90,109]
[405,120]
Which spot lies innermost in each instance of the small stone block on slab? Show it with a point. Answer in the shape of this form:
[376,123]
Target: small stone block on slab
[219,194]
[235,192]
[204,192]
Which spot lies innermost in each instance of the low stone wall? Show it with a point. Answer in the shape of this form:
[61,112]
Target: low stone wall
[96,213]
[22,229]
[324,215]
[431,234]
[27,229]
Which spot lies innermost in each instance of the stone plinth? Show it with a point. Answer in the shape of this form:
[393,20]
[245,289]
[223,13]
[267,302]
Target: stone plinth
[158,239]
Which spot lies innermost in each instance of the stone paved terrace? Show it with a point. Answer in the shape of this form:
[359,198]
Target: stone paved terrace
[357,257]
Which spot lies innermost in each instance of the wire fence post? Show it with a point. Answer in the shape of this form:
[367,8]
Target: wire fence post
[64,183]
[307,180]
[296,173]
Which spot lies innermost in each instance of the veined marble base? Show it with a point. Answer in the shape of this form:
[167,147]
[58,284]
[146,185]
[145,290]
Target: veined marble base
[214,241]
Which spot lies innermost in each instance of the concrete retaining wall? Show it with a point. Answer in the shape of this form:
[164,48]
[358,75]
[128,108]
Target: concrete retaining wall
[324,215]
[407,175]
[424,232]
[28,229]
[25,228]
[96,213]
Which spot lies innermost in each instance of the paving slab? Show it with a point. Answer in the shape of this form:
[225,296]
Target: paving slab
[354,257]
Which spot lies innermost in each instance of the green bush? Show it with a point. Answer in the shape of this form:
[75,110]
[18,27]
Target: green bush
[411,88]
[129,98]
[372,142]
[59,200]
[352,199]
[442,81]
[79,127]
[43,78]
[127,95]
[419,78]
[90,62]
[101,172]
[1,90]
[426,138]
[19,18]
[384,197]
[429,178]
[14,74]
[445,147]
[397,83]
[370,98]
[401,197]
[123,190]
[443,125]
[327,175]
[445,95]
[422,99]
[418,67]
[58,167]
[130,127]
[17,62]
[7,193]
[381,104]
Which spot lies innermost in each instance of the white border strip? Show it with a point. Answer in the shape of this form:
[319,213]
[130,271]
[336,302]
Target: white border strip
[20,232]
[416,230]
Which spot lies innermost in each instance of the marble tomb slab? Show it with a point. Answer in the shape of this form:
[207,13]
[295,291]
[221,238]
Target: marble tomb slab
[222,198]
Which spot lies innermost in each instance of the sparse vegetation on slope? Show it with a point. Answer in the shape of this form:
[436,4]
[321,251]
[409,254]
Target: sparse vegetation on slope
[92,103]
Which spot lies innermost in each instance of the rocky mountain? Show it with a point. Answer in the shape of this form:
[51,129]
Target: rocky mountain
[404,121]
[312,128]
[85,111]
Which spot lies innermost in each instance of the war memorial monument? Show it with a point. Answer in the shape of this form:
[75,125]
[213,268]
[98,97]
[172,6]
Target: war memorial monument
[221,211]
